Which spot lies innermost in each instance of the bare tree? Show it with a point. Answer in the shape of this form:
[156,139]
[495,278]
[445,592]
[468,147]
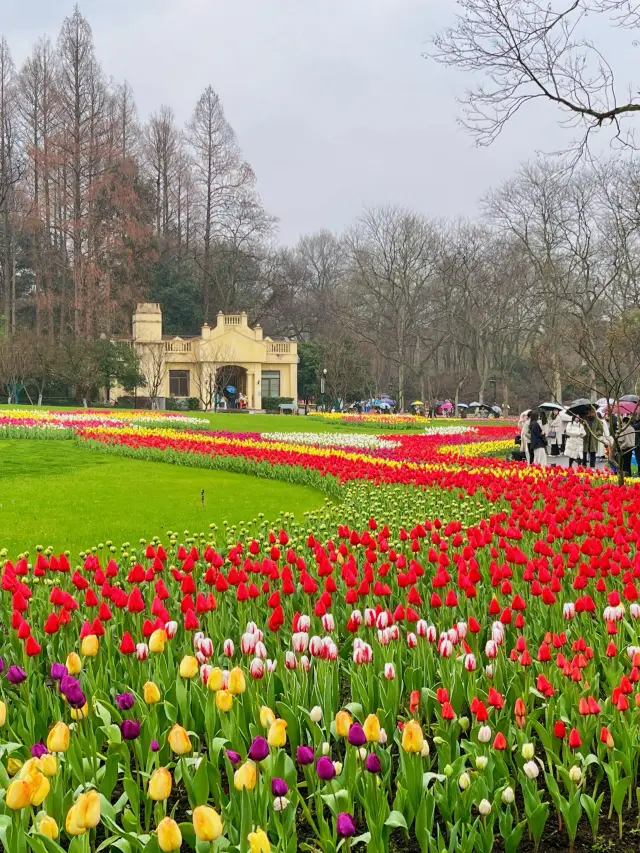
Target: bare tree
[212,364]
[531,50]
[15,362]
[162,149]
[153,368]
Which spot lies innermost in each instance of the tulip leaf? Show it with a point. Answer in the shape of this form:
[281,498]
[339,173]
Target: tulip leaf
[201,783]
[365,838]
[188,834]
[171,712]
[338,802]
[396,819]
[43,844]
[110,776]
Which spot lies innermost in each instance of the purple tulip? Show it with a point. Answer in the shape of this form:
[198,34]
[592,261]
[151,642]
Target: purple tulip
[125,701]
[130,729]
[279,787]
[356,736]
[68,682]
[1,666]
[16,675]
[259,749]
[39,749]
[58,671]
[325,768]
[373,763]
[155,746]
[233,756]
[305,755]
[345,825]
[75,696]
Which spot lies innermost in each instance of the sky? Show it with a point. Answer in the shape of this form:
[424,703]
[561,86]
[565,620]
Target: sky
[334,105]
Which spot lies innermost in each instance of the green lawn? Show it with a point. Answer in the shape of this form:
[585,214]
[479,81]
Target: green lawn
[57,493]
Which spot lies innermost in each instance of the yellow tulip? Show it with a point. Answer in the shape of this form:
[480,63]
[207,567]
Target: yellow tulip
[58,739]
[224,700]
[412,737]
[245,776]
[277,733]
[3,714]
[216,679]
[40,788]
[259,842]
[90,645]
[267,717]
[189,666]
[18,795]
[179,740]
[343,723]
[13,766]
[31,766]
[169,835]
[372,728]
[49,765]
[88,806]
[157,641]
[237,684]
[151,692]
[80,713]
[48,827]
[72,823]
[160,784]
[207,823]
[73,663]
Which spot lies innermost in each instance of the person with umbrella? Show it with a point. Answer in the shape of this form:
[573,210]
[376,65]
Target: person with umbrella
[555,433]
[538,441]
[626,443]
[524,424]
[576,434]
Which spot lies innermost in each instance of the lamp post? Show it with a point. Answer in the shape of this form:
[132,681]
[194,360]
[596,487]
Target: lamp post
[493,382]
[323,378]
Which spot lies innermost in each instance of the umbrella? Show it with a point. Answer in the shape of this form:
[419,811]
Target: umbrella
[462,406]
[417,403]
[558,406]
[383,405]
[496,409]
[580,406]
[629,398]
[474,405]
[603,401]
[446,405]
[624,407]
[231,389]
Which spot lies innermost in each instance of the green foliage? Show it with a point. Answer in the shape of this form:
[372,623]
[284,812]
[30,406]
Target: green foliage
[118,364]
[309,369]
[175,287]
[272,403]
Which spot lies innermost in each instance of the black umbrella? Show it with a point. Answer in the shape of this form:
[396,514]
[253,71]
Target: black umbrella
[580,406]
[630,398]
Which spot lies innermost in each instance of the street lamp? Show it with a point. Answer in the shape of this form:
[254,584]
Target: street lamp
[493,381]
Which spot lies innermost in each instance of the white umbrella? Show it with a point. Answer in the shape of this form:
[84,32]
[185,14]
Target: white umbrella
[552,406]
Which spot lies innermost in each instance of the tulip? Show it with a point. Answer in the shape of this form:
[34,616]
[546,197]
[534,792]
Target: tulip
[575,774]
[179,740]
[372,728]
[157,641]
[49,765]
[89,647]
[58,671]
[72,823]
[151,693]
[245,776]
[189,667]
[304,755]
[125,701]
[130,729]
[484,808]
[464,781]
[48,827]
[373,763]
[343,723]
[216,679]
[315,714]
[528,751]
[279,787]
[325,769]
[259,842]
[73,663]
[277,736]
[345,825]
[3,714]
[267,717]
[531,770]
[169,835]
[154,746]
[160,784]
[259,749]
[18,794]
[224,701]
[508,796]
[207,823]
[412,737]
[58,738]
[237,683]
[356,736]
[16,675]
[80,713]
[13,766]
[40,788]
[88,809]
[481,762]
[142,651]
[234,757]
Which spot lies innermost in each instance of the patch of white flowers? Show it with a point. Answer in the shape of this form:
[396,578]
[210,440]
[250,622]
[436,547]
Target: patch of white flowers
[328,439]
[449,430]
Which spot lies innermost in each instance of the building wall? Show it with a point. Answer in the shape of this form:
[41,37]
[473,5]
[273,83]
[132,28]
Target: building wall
[230,342]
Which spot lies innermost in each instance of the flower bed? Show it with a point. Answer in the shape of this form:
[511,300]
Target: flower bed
[471,674]
[34,419]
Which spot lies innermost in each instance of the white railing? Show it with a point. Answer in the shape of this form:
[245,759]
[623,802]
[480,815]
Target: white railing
[233,319]
[177,346]
[279,348]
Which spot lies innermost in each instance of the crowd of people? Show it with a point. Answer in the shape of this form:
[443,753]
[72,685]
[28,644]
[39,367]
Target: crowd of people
[583,439]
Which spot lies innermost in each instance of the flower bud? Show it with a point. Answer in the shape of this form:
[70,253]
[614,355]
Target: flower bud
[464,781]
[484,807]
[528,751]
[508,796]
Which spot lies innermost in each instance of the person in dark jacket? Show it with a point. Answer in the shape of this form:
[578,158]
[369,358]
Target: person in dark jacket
[538,441]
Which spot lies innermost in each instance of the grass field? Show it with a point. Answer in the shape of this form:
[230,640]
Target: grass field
[57,493]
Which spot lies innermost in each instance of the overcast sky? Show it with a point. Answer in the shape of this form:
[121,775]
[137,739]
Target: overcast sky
[333,104]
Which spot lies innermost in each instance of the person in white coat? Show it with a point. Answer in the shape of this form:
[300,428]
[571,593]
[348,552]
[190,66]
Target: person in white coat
[525,435]
[555,432]
[576,434]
